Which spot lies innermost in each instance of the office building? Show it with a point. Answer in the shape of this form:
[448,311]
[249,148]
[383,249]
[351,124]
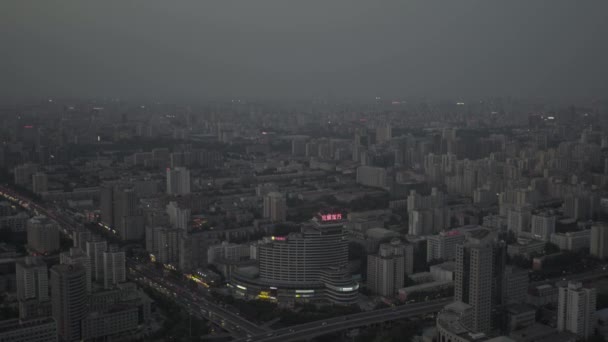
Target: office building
[599,240]
[39,182]
[543,225]
[114,268]
[38,329]
[386,270]
[307,266]
[275,207]
[179,217]
[32,279]
[576,309]
[106,205]
[76,256]
[42,234]
[69,300]
[178,181]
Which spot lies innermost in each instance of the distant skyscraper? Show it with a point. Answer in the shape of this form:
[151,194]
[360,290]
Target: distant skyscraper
[178,181]
[32,279]
[384,133]
[275,207]
[39,182]
[76,256]
[576,309]
[106,204]
[114,268]
[386,270]
[42,234]
[599,240]
[69,299]
[125,207]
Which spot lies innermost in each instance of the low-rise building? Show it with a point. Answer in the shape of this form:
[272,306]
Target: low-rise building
[38,329]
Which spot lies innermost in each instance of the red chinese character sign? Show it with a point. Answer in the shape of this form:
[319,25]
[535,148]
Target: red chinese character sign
[331,217]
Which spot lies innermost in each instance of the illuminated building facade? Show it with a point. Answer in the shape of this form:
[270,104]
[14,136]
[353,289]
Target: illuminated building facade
[307,266]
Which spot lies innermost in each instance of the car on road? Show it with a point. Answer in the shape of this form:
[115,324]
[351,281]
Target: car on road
[324,323]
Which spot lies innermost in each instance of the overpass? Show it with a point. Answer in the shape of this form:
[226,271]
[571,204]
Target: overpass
[313,329]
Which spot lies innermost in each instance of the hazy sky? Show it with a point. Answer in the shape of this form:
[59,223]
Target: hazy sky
[174,49]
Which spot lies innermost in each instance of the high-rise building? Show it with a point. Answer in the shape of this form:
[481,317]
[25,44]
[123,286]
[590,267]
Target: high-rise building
[275,207]
[543,225]
[599,240]
[386,270]
[576,309]
[69,299]
[39,182]
[163,244]
[114,266]
[42,234]
[518,219]
[76,256]
[178,181]
[179,217]
[32,279]
[427,214]
[106,205]
[120,210]
[125,210]
[479,270]
[38,329]
[95,250]
[384,133]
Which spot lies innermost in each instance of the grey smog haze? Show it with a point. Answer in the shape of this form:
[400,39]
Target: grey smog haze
[176,50]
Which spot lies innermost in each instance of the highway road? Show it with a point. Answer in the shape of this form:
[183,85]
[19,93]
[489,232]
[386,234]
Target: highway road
[318,328]
[195,303]
[201,306]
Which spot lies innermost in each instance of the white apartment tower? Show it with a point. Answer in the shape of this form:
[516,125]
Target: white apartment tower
[386,270]
[32,279]
[576,309]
